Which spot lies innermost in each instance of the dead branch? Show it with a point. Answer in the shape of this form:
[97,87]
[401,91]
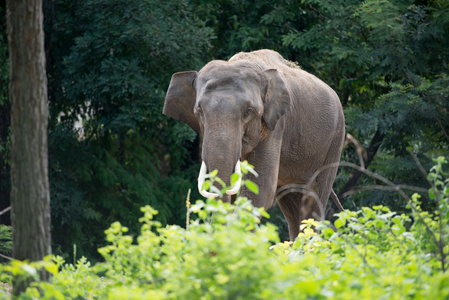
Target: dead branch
[5,210]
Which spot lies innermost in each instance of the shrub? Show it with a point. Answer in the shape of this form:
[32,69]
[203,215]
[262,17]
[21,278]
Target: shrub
[5,240]
[226,253]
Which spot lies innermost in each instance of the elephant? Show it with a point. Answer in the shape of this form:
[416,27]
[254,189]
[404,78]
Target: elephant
[258,106]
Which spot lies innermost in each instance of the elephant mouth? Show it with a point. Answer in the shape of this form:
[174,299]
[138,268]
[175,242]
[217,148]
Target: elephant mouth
[202,177]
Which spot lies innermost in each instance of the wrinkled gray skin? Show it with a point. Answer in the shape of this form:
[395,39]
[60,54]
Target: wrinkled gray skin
[261,108]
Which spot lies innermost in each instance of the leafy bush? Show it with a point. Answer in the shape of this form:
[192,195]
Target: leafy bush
[434,228]
[5,240]
[226,253]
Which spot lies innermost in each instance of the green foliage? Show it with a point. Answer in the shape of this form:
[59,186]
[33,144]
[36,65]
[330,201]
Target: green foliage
[226,253]
[5,240]
[434,227]
[110,61]
[248,25]
[370,255]
[119,62]
[387,61]
[111,150]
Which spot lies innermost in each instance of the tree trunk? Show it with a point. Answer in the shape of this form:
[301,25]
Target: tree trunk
[30,195]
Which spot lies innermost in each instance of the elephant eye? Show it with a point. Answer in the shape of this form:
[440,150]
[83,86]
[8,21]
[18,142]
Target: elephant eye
[249,111]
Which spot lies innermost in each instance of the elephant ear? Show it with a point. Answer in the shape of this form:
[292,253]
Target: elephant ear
[277,99]
[180,99]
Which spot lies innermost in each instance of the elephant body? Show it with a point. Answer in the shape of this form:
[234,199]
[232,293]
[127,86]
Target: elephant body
[259,107]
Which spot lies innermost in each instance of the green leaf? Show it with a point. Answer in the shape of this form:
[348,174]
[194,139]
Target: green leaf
[327,232]
[213,173]
[264,213]
[339,223]
[234,178]
[252,186]
[246,167]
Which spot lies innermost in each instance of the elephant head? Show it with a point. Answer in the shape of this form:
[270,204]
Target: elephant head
[233,106]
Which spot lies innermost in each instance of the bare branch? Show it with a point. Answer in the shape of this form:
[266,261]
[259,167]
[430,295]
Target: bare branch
[373,147]
[385,188]
[6,257]
[5,210]
[396,188]
[360,150]
[300,188]
[420,167]
[390,186]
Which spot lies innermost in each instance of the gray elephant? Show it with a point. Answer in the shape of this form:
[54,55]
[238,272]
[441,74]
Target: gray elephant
[259,107]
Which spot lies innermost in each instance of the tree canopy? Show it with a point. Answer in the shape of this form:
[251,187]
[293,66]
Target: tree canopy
[109,62]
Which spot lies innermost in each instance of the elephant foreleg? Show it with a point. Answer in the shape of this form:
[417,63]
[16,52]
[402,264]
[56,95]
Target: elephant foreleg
[265,159]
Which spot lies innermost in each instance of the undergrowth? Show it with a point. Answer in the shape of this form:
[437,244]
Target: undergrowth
[226,253]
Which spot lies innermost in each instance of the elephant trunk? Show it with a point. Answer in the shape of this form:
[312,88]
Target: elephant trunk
[222,154]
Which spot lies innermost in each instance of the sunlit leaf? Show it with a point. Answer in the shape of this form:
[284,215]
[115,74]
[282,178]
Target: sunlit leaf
[252,186]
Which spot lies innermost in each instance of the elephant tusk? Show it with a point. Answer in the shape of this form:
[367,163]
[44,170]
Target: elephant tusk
[201,179]
[237,185]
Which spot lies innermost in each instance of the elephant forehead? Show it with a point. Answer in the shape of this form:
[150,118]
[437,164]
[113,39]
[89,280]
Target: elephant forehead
[225,76]
[229,90]
[225,83]
[232,84]
[222,100]
[233,100]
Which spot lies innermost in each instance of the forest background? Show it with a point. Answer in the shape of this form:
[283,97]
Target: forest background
[109,62]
